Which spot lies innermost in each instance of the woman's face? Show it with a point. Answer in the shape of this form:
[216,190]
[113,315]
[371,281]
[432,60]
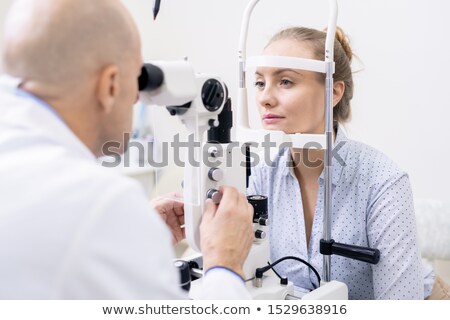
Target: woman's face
[290,100]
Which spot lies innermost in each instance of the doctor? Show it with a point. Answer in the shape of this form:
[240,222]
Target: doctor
[70,229]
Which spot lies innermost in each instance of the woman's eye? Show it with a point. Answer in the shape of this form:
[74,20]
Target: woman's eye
[259,84]
[285,82]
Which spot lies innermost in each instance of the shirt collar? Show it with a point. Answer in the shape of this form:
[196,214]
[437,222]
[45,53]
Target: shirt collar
[27,110]
[340,151]
[24,94]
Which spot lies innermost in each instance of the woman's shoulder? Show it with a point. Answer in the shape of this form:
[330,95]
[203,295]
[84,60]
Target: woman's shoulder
[370,162]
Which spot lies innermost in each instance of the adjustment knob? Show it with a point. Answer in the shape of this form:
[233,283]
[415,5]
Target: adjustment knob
[259,234]
[185,273]
[214,152]
[215,174]
[214,195]
[263,221]
[213,95]
[260,206]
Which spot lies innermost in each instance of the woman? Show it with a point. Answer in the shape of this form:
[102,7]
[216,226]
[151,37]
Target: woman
[372,198]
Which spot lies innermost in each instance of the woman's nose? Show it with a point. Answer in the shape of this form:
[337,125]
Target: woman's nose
[266,98]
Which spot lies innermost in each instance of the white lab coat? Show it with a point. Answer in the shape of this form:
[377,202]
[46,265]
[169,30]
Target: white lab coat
[71,229]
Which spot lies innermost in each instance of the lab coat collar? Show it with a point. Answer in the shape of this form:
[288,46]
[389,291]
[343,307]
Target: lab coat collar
[21,109]
[338,166]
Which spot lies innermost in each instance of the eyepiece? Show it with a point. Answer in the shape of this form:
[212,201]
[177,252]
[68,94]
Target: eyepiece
[151,78]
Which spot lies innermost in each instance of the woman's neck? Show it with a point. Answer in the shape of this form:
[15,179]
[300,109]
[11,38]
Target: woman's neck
[308,163]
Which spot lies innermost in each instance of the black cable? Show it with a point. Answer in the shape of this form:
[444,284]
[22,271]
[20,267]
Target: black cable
[260,271]
[283,280]
[268,263]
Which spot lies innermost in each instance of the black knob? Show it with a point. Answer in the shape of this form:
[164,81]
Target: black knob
[215,174]
[259,234]
[263,221]
[259,204]
[214,195]
[185,274]
[213,95]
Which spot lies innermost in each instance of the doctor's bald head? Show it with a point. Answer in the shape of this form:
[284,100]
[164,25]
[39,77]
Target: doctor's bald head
[60,42]
[82,57]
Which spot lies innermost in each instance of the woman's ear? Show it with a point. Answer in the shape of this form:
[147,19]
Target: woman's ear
[108,88]
[338,92]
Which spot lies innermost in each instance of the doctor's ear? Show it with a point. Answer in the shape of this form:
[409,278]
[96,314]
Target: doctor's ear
[108,87]
[338,92]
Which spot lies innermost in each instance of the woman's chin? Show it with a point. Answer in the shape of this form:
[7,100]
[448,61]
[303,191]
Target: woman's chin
[274,127]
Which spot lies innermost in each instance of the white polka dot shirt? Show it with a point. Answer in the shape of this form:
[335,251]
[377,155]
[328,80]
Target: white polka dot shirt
[372,207]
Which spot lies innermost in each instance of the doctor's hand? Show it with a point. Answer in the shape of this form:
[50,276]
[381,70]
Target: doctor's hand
[171,209]
[226,231]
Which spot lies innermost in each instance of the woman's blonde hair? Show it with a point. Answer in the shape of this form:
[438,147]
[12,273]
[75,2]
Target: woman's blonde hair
[342,57]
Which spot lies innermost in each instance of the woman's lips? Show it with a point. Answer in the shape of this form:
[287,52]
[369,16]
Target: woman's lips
[272,118]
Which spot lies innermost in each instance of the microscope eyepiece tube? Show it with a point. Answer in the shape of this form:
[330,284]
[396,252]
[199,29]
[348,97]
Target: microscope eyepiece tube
[151,78]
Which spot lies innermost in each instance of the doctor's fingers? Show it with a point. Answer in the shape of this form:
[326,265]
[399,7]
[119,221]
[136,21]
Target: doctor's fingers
[180,219]
[179,210]
[209,211]
[178,235]
[243,209]
[230,201]
[166,203]
[172,218]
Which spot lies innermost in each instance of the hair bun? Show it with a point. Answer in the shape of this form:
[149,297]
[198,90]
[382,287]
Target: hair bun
[342,38]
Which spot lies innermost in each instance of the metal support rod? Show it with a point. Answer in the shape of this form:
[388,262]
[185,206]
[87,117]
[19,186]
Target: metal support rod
[243,41]
[328,167]
[242,75]
[329,59]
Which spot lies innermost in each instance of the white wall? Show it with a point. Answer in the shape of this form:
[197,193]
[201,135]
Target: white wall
[401,101]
